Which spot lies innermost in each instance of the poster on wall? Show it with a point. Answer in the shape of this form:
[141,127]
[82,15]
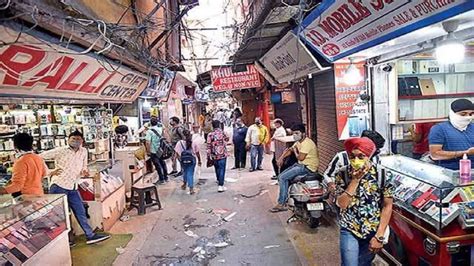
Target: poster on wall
[337,29]
[352,112]
[225,79]
[31,67]
[160,85]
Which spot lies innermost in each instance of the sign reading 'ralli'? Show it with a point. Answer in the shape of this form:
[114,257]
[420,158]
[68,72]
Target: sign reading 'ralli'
[32,68]
[289,59]
[224,79]
[337,29]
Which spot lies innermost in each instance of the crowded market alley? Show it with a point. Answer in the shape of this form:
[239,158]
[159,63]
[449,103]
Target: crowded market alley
[237,132]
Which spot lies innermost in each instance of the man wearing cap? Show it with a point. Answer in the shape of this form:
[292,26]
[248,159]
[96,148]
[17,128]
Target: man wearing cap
[449,141]
[365,205]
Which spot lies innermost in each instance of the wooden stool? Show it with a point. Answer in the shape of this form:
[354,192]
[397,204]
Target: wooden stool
[142,197]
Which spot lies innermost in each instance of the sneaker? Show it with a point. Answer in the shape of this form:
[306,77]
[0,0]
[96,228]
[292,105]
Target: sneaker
[191,191]
[97,238]
[173,173]
[260,169]
[221,189]
[251,170]
[161,182]
[279,208]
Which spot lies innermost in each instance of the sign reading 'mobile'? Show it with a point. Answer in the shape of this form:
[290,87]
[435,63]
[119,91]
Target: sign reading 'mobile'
[337,29]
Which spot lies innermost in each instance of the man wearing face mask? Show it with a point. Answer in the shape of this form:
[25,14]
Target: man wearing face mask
[257,137]
[71,163]
[449,141]
[238,138]
[306,152]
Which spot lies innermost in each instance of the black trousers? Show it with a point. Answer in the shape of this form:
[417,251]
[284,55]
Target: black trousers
[240,154]
[160,166]
[275,165]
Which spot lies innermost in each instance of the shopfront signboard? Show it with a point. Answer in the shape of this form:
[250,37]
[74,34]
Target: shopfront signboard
[159,86]
[289,59]
[337,29]
[225,79]
[32,67]
[352,112]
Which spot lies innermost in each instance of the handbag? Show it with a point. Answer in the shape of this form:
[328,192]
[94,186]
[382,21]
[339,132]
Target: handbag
[210,162]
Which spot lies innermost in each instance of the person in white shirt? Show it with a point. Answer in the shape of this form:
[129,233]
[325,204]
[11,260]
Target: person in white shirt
[71,165]
[257,137]
[277,146]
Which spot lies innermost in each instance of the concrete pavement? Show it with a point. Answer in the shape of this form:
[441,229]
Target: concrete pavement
[190,230]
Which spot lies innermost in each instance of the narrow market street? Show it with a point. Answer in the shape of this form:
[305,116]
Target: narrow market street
[191,230]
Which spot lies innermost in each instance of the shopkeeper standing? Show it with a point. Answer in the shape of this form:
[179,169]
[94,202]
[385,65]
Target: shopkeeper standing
[71,164]
[449,141]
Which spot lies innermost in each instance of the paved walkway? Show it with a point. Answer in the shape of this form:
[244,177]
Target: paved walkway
[190,230]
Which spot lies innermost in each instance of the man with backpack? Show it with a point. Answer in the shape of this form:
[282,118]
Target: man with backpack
[154,138]
[177,134]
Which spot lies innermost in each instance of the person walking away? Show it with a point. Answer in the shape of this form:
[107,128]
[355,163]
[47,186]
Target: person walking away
[71,162]
[365,205]
[28,169]
[188,152]
[257,137]
[419,133]
[207,125]
[177,134]
[217,153]
[201,119]
[238,138]
[277,146]
[449,141]
[306,152]
[153,138]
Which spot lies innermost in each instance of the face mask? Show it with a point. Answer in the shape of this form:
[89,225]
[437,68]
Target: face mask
[357,163]
[297,137]
[75,144]
[458,121]
[258,123]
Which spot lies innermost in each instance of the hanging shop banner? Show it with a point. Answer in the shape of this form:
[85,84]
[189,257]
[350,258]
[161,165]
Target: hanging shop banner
[224,79]
[159,86]
[337,29]
[352,112]
[289,59]
[31,67]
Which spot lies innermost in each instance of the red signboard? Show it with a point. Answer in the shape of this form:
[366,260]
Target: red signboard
[224,79]
[351,111]
[33,68]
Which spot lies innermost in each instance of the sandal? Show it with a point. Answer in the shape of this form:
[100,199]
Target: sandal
[183,186]
[191,191]
[279,208]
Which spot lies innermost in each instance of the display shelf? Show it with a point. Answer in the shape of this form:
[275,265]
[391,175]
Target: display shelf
[437,96]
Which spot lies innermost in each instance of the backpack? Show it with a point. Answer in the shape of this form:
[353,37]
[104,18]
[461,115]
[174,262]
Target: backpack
[187,156]
[165,151]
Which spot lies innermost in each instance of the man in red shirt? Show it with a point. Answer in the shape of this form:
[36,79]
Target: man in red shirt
[420,133]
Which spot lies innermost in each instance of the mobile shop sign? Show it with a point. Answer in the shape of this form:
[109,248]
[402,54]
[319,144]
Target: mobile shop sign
[337,29]
[32,68]
[352,113]
[289,60]
[224,79]
[160,85]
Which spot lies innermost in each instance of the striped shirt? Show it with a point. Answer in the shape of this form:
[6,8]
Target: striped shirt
[339,162]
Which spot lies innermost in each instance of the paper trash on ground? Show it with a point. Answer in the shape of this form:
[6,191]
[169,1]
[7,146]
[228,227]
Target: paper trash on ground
[272,246]
[191,234]
[229,217]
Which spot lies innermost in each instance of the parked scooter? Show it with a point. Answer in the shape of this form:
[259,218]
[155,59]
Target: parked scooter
[307,199]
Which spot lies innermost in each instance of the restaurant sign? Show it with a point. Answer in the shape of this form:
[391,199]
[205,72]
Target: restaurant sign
[31,67]
[225,79]
[337,29]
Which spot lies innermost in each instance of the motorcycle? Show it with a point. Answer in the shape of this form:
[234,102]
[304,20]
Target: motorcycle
[307,199]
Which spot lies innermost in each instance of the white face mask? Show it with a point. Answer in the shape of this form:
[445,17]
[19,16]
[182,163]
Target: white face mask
[458,121]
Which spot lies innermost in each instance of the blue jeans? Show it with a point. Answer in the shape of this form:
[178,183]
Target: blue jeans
[355,251]
[188,173]
[286,176]
[219,166]
[160,166]
[256,156]
[74,201]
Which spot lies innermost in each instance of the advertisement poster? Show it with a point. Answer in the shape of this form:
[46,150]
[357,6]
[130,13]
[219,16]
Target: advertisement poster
[224,79]
[337,29]
[352,112]
[160,85]
[31,67]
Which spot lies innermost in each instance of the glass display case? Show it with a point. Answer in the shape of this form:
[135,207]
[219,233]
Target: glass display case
[434,208]
[29,224]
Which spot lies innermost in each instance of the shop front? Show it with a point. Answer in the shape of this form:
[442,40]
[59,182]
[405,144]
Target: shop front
[414,59]
[49,91]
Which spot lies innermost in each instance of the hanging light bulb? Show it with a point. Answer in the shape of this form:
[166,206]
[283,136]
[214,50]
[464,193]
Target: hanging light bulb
[352,75]
[450,50]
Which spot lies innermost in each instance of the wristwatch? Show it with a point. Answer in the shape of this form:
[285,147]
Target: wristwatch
[380,239]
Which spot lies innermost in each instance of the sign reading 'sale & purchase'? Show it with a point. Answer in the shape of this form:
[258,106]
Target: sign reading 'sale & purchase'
[224,79]
[337,29]
[31,67]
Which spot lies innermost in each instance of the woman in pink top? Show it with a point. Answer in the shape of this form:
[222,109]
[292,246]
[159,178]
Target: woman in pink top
[187,151]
